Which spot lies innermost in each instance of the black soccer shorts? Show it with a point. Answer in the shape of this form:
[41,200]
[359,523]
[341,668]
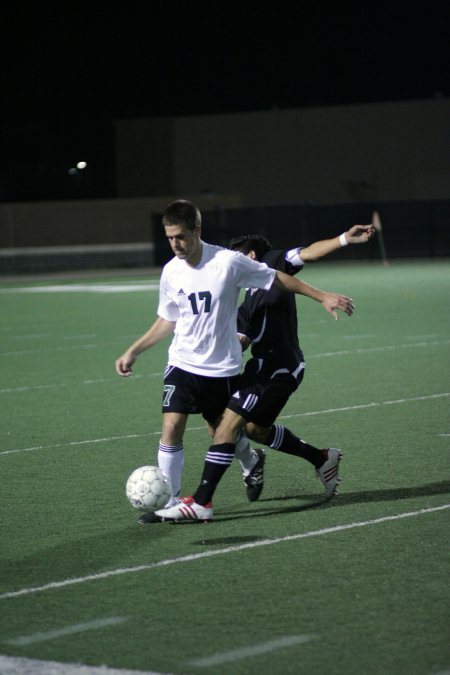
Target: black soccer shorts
[263,390]
[193,394]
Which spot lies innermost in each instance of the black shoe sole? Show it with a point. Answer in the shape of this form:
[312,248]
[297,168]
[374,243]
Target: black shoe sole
[147,518]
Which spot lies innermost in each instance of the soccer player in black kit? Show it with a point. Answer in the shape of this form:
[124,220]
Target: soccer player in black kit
[268,321]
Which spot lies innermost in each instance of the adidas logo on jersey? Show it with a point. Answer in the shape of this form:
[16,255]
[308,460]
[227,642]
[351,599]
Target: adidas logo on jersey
[181,292]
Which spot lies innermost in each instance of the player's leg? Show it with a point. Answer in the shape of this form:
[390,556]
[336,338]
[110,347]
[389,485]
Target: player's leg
[282,439]
[325,461]
[275,386]
[219,456]
[226,424]
[186,393]
[251,461]
[180,398]
[171,450]
[261,400]
[263,391]
[170,459]
[253,471]
[244,453]
[247,456]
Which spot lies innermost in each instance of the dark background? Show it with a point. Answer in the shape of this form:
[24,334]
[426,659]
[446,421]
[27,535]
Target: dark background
[70,70]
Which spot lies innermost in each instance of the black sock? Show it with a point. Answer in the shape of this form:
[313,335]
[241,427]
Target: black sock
[218,459]
[284,440]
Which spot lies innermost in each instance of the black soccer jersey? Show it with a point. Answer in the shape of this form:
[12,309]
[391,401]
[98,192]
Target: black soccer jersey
[269,318]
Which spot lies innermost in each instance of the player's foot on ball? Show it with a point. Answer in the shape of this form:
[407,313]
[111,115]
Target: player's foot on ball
[255,479]
[328,472]
[186,509]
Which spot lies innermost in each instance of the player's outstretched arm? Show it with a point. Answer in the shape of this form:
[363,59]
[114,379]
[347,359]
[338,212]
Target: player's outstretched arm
[358,234]
[159,330]
[330,301]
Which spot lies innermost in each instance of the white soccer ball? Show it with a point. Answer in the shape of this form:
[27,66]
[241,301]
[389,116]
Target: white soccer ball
[148,488]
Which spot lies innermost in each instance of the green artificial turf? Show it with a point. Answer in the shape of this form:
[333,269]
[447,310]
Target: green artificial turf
[358,586]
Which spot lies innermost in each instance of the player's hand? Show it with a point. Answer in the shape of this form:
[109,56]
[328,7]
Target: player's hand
[334,301]
[244,340]
[360,234]
[124,364]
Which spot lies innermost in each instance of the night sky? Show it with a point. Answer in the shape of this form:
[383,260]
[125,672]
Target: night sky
[70,71]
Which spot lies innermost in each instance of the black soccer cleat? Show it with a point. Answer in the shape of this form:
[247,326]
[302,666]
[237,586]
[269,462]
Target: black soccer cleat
[255,479]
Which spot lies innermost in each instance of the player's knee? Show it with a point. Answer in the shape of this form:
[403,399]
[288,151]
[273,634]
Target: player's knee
[257,433]
[228,429]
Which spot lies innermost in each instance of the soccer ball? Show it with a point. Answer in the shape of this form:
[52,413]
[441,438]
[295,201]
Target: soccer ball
[148,488]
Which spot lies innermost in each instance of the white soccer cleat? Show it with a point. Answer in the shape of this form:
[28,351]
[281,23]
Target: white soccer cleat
[328,472]
[186,509]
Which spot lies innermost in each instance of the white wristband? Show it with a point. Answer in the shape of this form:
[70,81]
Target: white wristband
[343,240]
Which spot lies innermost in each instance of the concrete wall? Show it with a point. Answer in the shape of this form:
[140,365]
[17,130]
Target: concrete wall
[332,155]
[89,234]
[90,222]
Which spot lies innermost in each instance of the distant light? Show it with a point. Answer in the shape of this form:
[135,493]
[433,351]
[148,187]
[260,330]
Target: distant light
[81,165]
[73,171]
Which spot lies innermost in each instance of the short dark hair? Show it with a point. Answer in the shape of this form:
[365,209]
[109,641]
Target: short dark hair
[251,242]
[182,212]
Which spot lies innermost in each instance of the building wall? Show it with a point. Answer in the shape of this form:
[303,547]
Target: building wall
[331,155]
[90,221]
[271,170]
[89,234]
[144,152]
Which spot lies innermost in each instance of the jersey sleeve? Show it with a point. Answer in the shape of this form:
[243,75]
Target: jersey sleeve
[167,308]
[252,274]
[293,257]
[286,260]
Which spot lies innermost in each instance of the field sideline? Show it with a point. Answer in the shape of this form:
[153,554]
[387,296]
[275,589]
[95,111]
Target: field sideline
[284,585]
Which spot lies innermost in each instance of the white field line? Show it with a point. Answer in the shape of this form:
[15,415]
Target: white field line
[343,352]
[367,405]
[59,348]
[66,630]
[386,348]
[56,385]
[209,554]
[83,288]
[72,336]
[252,650]
[348,408]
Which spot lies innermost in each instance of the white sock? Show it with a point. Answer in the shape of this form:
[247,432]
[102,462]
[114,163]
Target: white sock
[171,461]
[245,454]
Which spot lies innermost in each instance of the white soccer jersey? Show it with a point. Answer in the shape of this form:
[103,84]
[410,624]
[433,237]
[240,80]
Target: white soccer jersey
[203,302]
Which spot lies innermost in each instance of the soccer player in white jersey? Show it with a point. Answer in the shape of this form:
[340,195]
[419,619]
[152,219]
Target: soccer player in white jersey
[199,291]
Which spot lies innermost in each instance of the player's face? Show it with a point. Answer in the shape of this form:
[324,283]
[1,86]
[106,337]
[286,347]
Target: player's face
[185,243]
